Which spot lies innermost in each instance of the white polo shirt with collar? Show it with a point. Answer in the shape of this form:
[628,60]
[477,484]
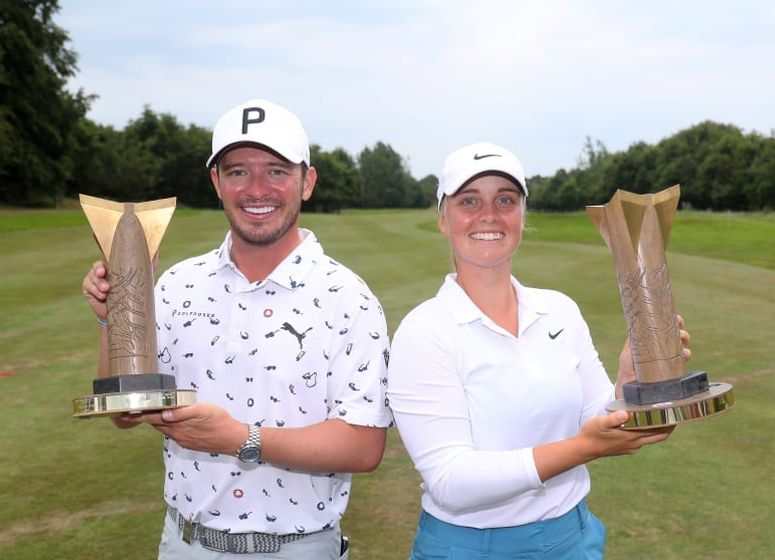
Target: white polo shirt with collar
[307,344]
[471,401]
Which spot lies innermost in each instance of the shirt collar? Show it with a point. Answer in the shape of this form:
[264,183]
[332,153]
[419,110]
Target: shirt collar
[291,271]
[463,310]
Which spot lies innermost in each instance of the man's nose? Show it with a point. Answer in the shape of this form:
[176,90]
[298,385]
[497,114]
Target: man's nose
[257,184]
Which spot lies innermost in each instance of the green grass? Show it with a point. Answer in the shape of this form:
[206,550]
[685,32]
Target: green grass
[74,489]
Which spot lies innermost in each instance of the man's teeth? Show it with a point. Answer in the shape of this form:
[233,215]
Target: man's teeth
[486,236]
[259,210]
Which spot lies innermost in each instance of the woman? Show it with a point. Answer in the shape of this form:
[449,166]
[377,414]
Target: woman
[497,390]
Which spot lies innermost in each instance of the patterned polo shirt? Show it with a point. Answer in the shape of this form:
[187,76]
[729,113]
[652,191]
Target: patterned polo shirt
[306,344]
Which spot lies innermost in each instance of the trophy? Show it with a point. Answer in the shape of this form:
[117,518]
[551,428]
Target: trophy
[129,235]
[636,229]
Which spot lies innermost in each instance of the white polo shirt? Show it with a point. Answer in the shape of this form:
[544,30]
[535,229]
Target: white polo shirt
[471,401]
[308,343]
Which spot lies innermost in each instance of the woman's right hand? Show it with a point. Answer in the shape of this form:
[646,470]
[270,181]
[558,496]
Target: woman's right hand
[603,436]
[96,288]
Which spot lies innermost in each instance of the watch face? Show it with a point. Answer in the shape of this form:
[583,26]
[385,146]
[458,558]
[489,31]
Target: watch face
[250,454]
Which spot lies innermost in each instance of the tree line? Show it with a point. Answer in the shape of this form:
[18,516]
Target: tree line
[50,150]
[155,156]
[718,166]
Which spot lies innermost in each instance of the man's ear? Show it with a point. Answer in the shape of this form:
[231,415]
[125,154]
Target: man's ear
[310,178]
[215,180]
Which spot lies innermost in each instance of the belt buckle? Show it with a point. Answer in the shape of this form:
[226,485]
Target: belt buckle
[188,529]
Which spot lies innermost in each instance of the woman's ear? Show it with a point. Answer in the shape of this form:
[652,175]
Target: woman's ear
[443,221]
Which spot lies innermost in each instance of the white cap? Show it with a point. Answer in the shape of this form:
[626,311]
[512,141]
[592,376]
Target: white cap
[468,162]
[258,121]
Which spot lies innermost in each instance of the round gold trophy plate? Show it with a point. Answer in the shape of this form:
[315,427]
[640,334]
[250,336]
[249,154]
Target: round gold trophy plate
[132,403]
[717,399]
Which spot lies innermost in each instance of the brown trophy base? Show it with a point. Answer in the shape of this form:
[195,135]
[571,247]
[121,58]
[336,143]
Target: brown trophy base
[135,402]
[717,399]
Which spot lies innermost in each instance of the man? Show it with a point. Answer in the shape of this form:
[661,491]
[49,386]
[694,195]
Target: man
[287,350]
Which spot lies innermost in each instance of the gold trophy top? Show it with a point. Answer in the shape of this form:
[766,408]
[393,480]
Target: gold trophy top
[104,215]
[636,228]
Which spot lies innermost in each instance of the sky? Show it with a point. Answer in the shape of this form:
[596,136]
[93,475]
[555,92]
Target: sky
[430,76]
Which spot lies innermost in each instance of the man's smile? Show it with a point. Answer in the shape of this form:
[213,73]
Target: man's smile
[259,209]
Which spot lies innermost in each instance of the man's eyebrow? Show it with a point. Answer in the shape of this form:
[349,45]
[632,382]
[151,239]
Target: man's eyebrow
[284,164]
[239,163]
[230,164]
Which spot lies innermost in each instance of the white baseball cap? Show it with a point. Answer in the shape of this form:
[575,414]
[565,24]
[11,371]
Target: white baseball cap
[466,163]
[258,121]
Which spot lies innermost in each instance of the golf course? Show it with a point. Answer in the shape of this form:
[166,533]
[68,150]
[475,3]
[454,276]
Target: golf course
[76,489]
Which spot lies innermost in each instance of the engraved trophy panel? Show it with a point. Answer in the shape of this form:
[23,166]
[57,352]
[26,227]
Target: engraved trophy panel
[131,313]
[636,228]
[129,235]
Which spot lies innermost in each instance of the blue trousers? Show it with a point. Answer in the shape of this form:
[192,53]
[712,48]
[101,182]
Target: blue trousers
[577,535]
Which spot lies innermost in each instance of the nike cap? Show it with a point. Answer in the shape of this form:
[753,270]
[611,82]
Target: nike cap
[258,121]
[464,164]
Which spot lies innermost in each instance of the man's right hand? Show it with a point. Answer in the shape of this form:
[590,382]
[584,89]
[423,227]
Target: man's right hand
[96,288]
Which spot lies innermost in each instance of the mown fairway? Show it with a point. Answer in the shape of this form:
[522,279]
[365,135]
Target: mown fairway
[81,489]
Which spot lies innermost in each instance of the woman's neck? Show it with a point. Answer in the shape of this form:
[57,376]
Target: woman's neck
[492,292]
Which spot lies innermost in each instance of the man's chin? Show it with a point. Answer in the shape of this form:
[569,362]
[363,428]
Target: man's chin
[260,238]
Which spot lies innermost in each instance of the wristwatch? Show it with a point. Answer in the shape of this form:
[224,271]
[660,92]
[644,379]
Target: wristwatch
[250,451]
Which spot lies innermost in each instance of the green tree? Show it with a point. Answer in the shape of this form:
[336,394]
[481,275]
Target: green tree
[689,158]
[387,182]
[425,192]
[760,191]
[38,116]
[95,155]
[339,182]
[178,154]
[558,193]
[717,165]
[593,154]
[153,157]
[726,170]
[192,177]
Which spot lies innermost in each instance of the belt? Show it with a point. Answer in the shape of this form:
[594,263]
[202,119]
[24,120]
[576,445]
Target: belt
[222,541]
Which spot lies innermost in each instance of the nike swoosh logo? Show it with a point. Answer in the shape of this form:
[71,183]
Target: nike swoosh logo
[478,157]
[555,335]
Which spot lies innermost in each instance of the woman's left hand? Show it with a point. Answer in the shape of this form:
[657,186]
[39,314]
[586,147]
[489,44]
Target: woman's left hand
[626,372]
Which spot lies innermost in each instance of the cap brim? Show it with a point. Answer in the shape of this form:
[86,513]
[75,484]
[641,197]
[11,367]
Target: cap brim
[213,159]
